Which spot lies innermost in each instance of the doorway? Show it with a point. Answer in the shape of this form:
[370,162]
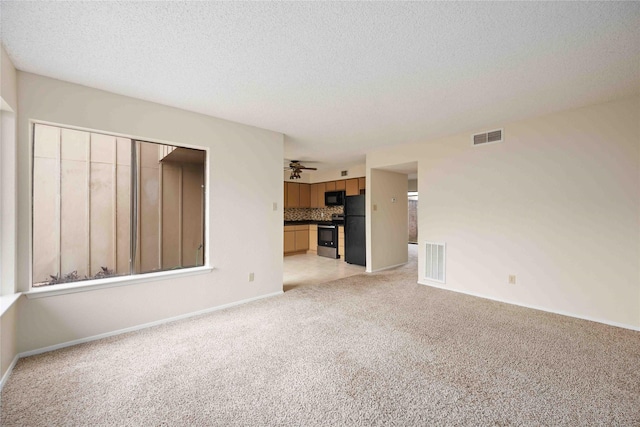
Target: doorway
[412,197]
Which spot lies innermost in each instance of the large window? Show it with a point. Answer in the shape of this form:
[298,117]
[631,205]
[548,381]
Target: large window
[95,216]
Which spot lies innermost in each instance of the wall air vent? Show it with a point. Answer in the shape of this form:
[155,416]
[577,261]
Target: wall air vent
[488,137]
[343,173]
[435,262]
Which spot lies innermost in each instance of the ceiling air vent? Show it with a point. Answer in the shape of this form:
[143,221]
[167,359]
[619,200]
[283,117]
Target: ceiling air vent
[487,137]
[343,173]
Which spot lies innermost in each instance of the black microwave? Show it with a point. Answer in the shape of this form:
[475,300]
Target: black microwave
[334,198]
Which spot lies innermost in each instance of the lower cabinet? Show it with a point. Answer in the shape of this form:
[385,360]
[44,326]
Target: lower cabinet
[313,238]
[296,238]
[304,238]
[289,241]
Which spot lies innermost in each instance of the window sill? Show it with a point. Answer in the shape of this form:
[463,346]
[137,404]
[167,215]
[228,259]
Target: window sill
[6,301]
[112,282]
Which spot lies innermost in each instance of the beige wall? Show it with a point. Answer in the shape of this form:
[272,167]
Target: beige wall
[387,208]
[244,237]
[8,80]
[305,176]
[311,177]
[8,202]
[8,150]
[8,329]
[355,171]
[557,204]
[8,214]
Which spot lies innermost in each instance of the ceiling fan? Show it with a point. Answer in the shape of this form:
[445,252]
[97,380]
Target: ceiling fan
[296,168]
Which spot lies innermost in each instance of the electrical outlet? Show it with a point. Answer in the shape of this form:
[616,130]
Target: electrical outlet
[251,277]
[512,279]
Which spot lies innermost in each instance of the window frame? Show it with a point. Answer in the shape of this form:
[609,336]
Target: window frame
[115,281]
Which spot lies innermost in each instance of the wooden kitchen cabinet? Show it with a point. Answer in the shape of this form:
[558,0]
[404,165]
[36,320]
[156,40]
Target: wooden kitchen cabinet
[305,196]
[313,238]
[313,196]
[321,190]
[286,199]
[298,195]
[296,239]
[352,187]
[289,240]
[293,195]
[362,184]
[302,239]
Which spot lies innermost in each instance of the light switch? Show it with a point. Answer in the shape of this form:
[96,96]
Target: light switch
[275,206]
[375,207]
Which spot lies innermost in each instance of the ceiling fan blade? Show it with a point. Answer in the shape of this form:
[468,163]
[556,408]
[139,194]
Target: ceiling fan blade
[311,169]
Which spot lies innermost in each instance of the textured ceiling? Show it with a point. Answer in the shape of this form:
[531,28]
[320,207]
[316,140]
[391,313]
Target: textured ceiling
[338,78]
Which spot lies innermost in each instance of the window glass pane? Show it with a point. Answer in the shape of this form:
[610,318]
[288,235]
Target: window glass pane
[170,207]
[84,216]
[81,215]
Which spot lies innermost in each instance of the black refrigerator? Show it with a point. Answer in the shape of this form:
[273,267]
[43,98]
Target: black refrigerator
[355,251]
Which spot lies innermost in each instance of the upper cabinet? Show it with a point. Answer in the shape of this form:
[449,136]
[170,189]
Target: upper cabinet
[321,189]
[305,195]
[298,195]
[353,188]
[293,195]
[313,196]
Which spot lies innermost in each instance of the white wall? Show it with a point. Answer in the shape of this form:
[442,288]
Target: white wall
[245,233]
[557,204]
[387,214]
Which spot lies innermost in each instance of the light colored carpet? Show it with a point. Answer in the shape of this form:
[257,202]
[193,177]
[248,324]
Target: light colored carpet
[364,350]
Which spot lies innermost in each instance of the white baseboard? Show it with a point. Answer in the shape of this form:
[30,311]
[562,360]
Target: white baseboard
[387,268]
[143,326]
[534,307]
[6,375]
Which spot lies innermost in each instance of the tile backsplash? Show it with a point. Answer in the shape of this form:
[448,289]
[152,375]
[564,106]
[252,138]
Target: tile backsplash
[311,214]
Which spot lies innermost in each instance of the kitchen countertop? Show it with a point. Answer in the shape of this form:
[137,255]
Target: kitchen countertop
[307,222]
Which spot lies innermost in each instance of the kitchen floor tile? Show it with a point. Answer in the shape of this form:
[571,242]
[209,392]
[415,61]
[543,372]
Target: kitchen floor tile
[311,269]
